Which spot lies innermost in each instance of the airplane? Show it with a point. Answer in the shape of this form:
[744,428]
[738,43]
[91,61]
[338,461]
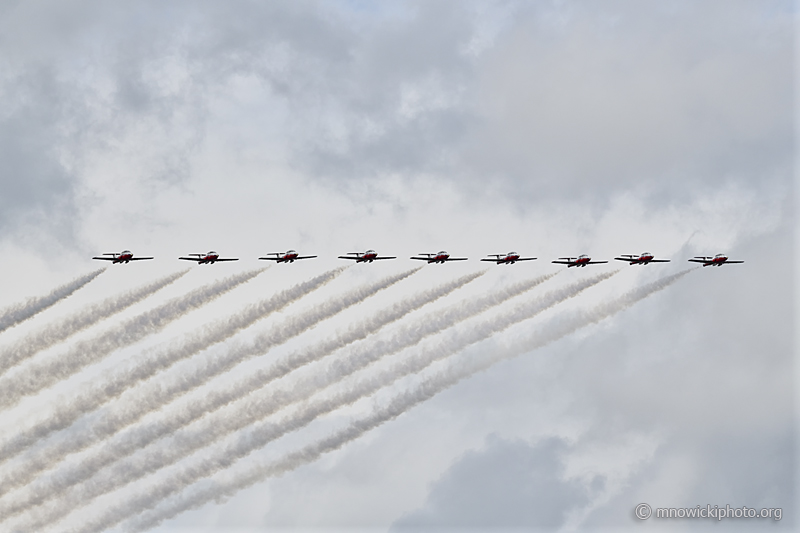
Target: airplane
[580,261]
[642,259]
[125,256]
[288,257]
[210,258]
[717,260]
[367,257]
[508,259]
[441,257]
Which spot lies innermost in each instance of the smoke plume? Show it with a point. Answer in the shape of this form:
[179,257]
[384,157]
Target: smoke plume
[138,368]
[214,428]
[251,473]
[37,376]
[51,334]
[162,393]
[13,315]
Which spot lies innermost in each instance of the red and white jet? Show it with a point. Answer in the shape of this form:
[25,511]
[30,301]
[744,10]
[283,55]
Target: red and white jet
[125,256]
[642,259]
[440,257]
[286,257]
[580,261]
[209,258]
[367,257]
[717,260]
[507,259]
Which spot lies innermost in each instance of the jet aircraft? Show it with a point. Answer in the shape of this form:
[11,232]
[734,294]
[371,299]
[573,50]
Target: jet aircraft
[642,259]
[440,257]
[507,259]
[580,261]
[289,256]
[209,258]
[717,260]
[125,256]
[367,257]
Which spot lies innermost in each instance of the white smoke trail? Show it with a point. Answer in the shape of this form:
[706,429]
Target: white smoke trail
[403,337]
[37,376]
[250,473]
[139,368]
[13,315]
[51,334]
[213,428]
[162,393]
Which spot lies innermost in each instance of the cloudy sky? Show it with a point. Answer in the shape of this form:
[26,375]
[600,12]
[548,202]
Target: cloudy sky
[552,128]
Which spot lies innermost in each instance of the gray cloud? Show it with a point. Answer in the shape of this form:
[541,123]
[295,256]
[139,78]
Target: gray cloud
[509,484]
[33,184]
[581,98]
[566,99]
[707,369]
[562,106]
[752,469]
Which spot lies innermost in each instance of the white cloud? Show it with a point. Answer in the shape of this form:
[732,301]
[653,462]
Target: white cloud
[552,128]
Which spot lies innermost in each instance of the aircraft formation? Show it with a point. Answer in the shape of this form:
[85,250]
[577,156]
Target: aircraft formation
[441,257]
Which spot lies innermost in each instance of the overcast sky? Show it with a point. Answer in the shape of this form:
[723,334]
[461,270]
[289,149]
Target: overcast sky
[551,128]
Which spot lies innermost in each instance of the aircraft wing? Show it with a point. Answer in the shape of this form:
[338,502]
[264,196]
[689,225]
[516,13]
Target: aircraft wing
[726,262]
[422,258]
[595,262]
[635,260]
[282,259]
[384,257]
[456,259]
[698,260]
[140,258]
[191,258]
[564,262]
[498,260]
[226,259]
[104,258]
